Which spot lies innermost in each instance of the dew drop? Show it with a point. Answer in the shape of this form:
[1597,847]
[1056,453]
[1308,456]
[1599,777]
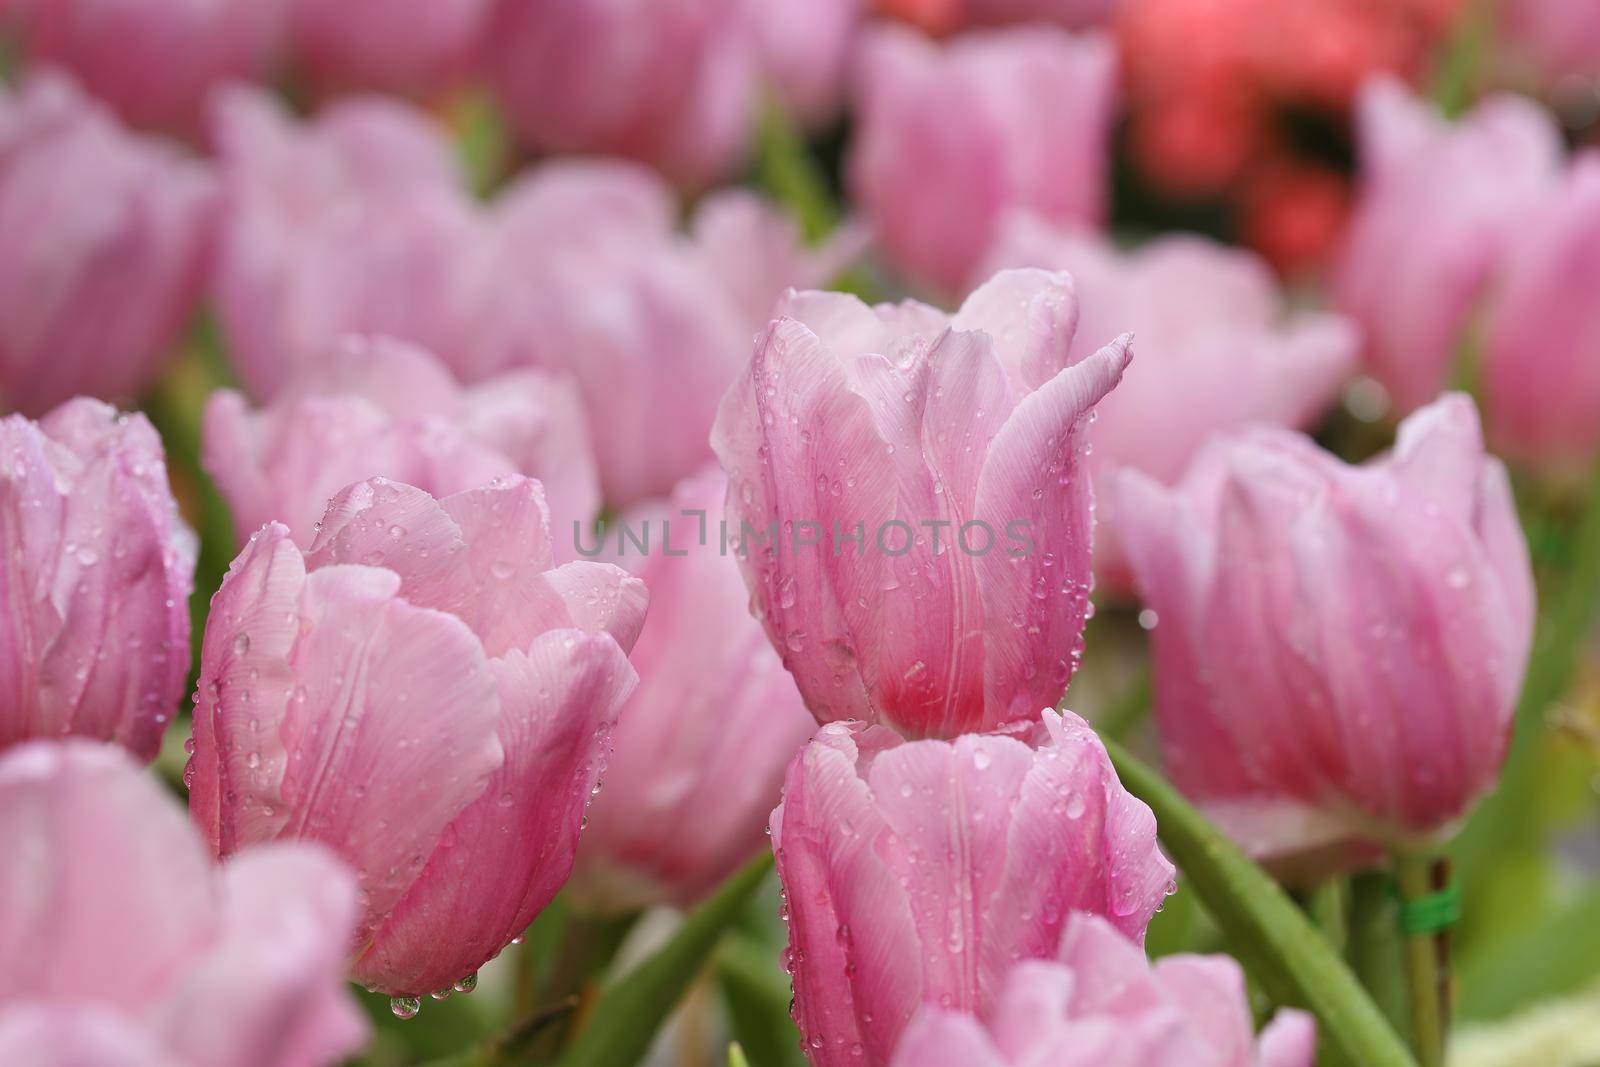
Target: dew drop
[405,1007]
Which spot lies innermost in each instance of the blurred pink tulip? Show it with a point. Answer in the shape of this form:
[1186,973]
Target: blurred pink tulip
[806,46]
[671,83]
[95,573]
[102,261]
[1216,350]
[1542,365]
[1100,1003]
[1555,39]
[912,501]
[593,279]
[424,694]
[916,873]
[401,46]
[1436,206]
[952,137]
[702,745]
[357,222]
[155,61]
[1339,648]
[380,407]
[121,945]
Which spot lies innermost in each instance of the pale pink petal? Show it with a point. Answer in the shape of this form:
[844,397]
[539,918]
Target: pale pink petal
[98,563]
[270,991]
[502,860]
[326,700]
[1035,582]
[83,1034]
[946,1039]
[106,894]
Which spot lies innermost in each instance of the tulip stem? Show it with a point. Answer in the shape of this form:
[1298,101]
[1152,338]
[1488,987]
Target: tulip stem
[1417,877]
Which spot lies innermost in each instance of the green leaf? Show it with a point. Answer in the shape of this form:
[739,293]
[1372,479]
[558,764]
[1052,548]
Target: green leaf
[786,168]
[1273,937]
[736,1057]
[627,1015]
[756,994]
[1558,956]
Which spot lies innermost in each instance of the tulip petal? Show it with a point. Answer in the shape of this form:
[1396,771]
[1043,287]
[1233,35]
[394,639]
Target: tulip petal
[52,1034]
[1031,315]
[1035,482]
[96,855]
[271,992]
[946,1039]
[502,860]
[325,700]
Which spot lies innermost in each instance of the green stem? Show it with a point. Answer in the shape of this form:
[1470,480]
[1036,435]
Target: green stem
[1271,936]
[1424,974]
[1373,946]
[1328,906]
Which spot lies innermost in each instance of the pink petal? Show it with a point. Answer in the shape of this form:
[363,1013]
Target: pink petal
[295,672]
[85,1034]
[482,555]
[946,1039]
[270,992]
[98,562]
[107,896]
[502,860]
[1034,484]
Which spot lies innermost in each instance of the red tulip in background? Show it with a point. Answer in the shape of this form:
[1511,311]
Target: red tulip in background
[701,746]
[425,694]
[952,450]
[1338,648]
[91,301]
[1100,1003]
[95,571]
[917,873]
[121,943]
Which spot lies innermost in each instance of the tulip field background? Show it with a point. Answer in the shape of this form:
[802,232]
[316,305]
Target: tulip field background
[1123,475]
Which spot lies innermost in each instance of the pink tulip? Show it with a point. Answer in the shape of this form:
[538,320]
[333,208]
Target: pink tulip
[155,61]
[1073,14]
[419,46]
[424,694]
[121,945]
[102,258]
[95,573]
[952,137]
[702,746]
[592,279]
[1100,1003]
[1542,366]
[358,222]
[918,873]
[1339,648]
[379,407]
[670,83]
[805,46]
[1557,39]
[910,495]
[1436,207]
[1216,351]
